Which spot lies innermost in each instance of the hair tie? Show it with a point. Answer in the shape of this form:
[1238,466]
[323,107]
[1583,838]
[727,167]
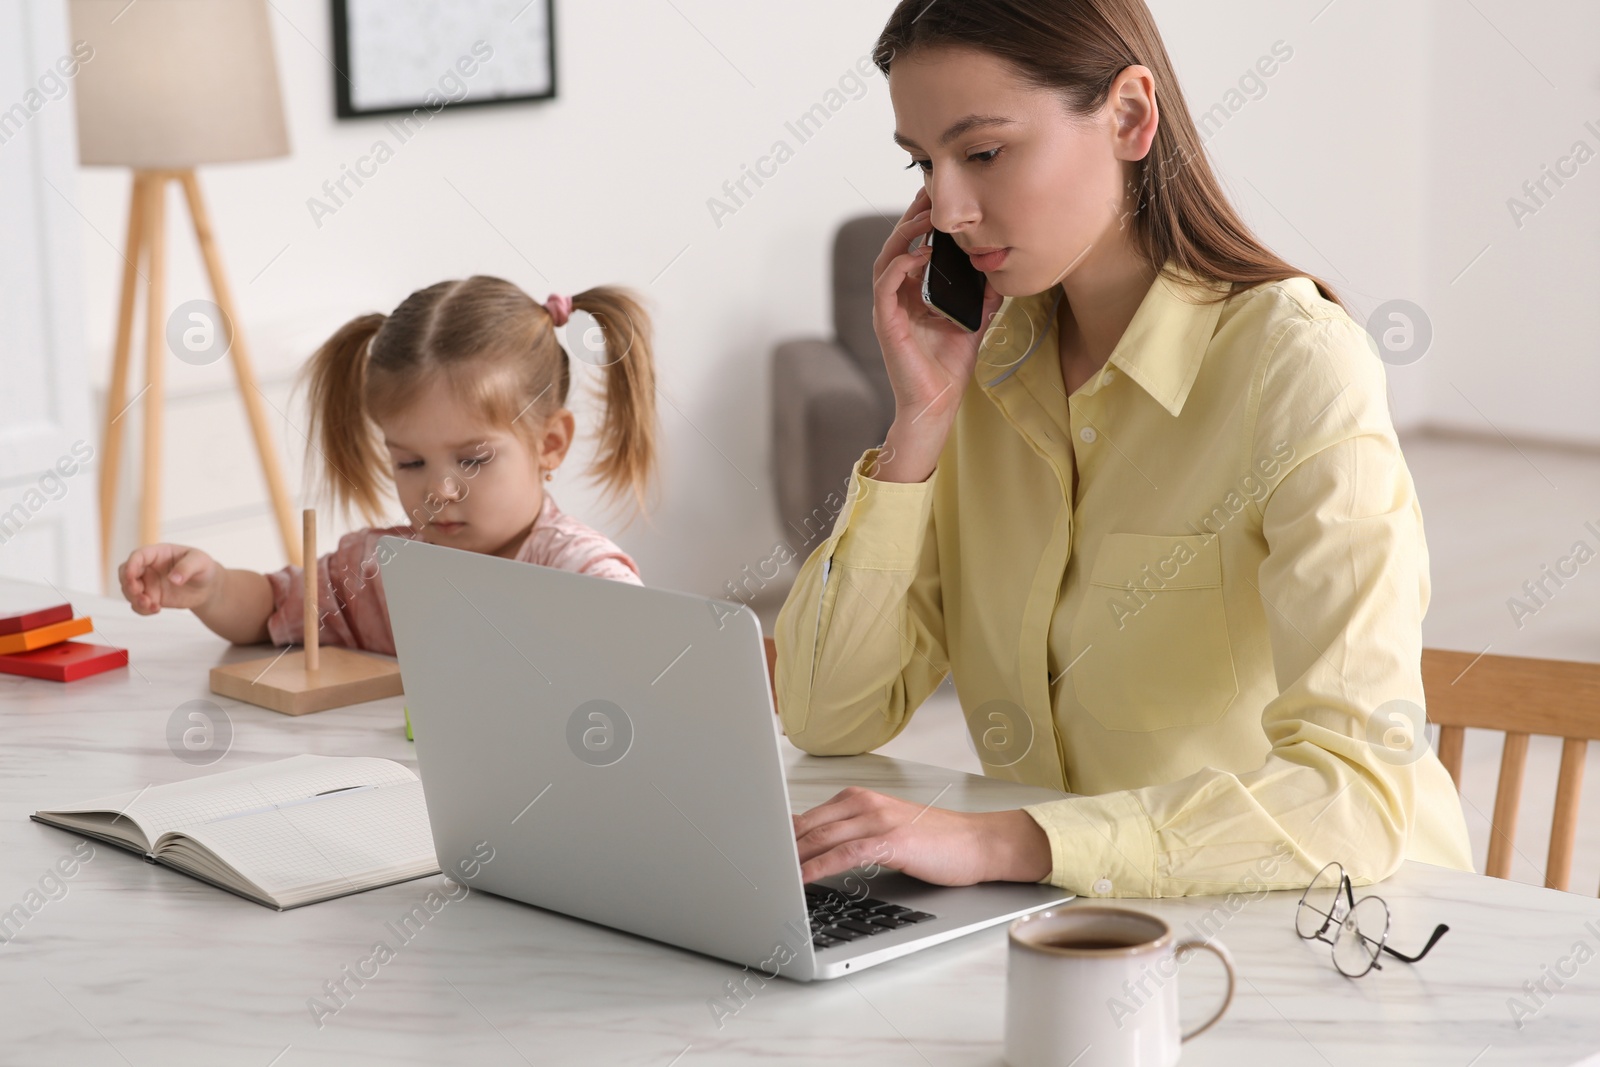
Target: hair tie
[559,307]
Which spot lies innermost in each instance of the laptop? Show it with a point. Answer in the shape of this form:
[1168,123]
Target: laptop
[613,749]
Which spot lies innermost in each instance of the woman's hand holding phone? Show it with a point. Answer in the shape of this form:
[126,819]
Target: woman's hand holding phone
[929,358]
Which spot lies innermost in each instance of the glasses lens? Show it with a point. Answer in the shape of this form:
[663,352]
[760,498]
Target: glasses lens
[1321,906]
[1361,936]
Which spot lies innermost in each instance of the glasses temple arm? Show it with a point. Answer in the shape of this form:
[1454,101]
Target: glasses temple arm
[1438,932]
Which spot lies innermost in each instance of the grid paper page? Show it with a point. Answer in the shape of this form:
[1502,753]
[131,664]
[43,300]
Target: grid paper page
[163,808]
[338,844]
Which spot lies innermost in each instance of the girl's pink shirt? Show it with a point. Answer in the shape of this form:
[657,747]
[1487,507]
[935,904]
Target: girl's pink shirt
[355,613]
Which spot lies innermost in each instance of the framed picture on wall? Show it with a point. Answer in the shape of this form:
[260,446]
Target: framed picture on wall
[403,55]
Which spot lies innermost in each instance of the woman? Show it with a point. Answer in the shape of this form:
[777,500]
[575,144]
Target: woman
[1154,519]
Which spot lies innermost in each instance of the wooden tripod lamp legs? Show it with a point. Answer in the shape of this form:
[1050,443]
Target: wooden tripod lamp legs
[155,364]
[147,243]
[255,404]
[117,394]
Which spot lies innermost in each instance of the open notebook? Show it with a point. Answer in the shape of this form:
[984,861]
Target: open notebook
[283,834]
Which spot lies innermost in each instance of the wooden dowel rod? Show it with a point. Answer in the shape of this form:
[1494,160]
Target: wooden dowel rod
[312,583]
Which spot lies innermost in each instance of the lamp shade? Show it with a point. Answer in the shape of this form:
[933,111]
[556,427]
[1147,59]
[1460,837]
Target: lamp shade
[177,83]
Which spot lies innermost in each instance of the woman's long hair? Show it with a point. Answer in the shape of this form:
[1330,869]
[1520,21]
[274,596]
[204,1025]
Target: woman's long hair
[1076,48]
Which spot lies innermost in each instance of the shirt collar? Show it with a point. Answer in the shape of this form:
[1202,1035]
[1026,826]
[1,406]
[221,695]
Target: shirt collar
[549,514]
[1161,350]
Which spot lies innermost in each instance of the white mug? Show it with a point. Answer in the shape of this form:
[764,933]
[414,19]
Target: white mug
[1094,986]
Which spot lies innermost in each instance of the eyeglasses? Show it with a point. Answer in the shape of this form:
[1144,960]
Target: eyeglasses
[1360,927]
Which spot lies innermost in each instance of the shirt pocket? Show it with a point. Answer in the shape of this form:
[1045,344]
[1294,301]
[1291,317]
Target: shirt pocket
[1151,634]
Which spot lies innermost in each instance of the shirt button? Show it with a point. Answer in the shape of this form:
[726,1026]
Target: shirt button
[1102,887]
[1088,434]
[1108,376]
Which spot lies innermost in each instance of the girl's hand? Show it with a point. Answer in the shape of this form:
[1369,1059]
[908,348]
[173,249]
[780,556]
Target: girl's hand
[861,828]
[169,576]
[928,357]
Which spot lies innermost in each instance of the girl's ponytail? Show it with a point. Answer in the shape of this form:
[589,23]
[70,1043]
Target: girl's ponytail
[626,456]
[353,464]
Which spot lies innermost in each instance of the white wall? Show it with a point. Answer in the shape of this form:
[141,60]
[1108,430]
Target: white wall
[49,454]
[1512,95]
[1383,156]
[1378,157]
[1326,163]
[607,184]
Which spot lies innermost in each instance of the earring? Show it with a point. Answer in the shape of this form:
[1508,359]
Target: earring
[549,476]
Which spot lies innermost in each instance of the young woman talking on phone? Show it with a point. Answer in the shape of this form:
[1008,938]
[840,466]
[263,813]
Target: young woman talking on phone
[1152,518]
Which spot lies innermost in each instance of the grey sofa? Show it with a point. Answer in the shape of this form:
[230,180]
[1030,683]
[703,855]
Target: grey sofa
[831,399]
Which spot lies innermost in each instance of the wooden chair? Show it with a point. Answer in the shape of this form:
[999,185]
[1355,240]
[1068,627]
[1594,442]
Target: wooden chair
[1520,697]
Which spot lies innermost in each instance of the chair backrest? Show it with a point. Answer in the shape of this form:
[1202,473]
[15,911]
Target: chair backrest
[856,245]
[1519,696]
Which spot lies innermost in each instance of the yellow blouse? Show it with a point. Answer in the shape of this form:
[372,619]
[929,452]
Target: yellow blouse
[1192,592]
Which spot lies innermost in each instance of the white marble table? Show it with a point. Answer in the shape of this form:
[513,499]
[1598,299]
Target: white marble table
[137,964]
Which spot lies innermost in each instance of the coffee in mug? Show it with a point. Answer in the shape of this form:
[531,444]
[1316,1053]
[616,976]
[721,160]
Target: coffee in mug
[1097,986]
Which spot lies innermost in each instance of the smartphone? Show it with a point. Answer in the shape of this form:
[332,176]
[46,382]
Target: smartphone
[952,286]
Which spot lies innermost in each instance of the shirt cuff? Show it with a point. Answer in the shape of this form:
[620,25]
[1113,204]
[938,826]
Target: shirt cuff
[886,522]
[286,624]
[1100,846]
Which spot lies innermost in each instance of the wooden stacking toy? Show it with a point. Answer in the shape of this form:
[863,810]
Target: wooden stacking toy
[314,678]
[35,644]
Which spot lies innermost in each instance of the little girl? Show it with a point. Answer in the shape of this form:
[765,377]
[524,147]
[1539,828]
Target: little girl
[456,399]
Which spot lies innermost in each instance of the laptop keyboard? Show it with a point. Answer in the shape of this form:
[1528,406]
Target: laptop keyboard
[838,918]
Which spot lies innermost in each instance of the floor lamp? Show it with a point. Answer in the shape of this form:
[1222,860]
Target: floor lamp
[172,85]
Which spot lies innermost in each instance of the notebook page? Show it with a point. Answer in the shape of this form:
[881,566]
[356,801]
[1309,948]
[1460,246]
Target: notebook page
[163,808]
[340,843]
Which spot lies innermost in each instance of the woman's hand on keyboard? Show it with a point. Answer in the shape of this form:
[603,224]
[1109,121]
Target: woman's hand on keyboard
[859,827]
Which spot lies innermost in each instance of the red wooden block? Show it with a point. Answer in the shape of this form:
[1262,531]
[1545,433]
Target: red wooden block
[32,620]
[65,662]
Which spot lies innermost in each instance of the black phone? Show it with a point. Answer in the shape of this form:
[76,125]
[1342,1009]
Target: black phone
[952,286]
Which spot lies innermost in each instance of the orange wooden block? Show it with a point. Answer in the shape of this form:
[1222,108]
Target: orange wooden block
[54,634]
[284,684]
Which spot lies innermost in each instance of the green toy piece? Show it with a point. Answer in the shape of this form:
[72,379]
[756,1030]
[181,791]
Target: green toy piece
[408,723]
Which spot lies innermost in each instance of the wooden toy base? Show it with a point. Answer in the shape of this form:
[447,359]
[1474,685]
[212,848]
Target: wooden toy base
[342,677]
